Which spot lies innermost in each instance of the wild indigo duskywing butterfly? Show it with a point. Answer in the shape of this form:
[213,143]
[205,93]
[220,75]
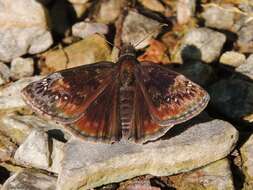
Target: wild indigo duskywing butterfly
[137,101]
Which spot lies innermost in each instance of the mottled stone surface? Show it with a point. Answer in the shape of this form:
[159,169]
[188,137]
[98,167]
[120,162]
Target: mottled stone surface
[10,96]
[30,180]
[233,58]
[4,73]
[23,29]
[22,67]
[89,165]
[137,27]
[34,152]
[246,68]
[7,148]
[89,50]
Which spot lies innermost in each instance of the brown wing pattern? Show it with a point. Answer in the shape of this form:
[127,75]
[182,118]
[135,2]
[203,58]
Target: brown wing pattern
[171,98]
[143,127]
[65,95]
[101,119]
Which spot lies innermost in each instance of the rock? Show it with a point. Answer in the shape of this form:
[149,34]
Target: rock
[246,68]
[246,151]
[215,176]
[56,156]
[156,53]
[138,183]
[78,1]
[7,148]
[109,11]
[245,36]
[137,27]
[34,151]
[22,67]
[232,98]
[201,44]
[80,9]
[232,58]
[185,10]
[90,50]
[23,29]
[4,74]
[19,127]
[84,29]
[30,179]
[106,163]
[153,5]
[10,96]
[218,17]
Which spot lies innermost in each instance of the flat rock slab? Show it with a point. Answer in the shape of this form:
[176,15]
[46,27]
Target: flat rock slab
[89,165]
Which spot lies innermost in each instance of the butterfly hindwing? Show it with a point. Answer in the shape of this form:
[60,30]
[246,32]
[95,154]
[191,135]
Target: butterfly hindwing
[171,98]
[101,119]
[65,95]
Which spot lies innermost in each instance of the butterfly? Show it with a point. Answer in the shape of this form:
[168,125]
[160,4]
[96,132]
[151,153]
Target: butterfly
[107,102]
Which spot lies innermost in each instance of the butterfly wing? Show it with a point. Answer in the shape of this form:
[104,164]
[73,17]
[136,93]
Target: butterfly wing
[101,119]
[65,95]
[171,98]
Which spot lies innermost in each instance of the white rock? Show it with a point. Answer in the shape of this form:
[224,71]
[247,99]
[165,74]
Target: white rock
[89,165]
[84,29]
[215,176]
[10,96]
[56,156]
[30,180]
[247,160]
[34,152]
[201,43]
[153,5]
[4,73]
[185,10]
[246,68]
[22,67]
[137,27]
[23,28]
[233,58]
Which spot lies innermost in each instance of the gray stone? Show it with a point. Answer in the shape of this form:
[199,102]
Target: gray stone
[215,176]
[232,58]
[34,152]
[22,67]
[153,5]
[4,74]
[233,99]
[23,29]
[88,165]
[19,127]
[247,68]
[245,36]
[218,17]
[84,29]
[201,44]
[10,96]
[185,10]
[246,151]
[7,148]
[109,11]
[137,27]
[30,180]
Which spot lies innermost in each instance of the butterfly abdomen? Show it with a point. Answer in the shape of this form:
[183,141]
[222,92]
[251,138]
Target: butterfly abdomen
[126,99]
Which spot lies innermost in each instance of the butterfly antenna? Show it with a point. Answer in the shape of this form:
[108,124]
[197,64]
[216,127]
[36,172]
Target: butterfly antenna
[149,34]
[106,40]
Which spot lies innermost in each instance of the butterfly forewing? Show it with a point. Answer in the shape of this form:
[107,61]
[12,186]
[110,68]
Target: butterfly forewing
[65,95]
[171,98]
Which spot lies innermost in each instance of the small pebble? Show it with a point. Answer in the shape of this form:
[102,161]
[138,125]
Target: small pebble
[22,67]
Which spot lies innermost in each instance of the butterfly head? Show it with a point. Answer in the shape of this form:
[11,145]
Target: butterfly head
[127,50]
